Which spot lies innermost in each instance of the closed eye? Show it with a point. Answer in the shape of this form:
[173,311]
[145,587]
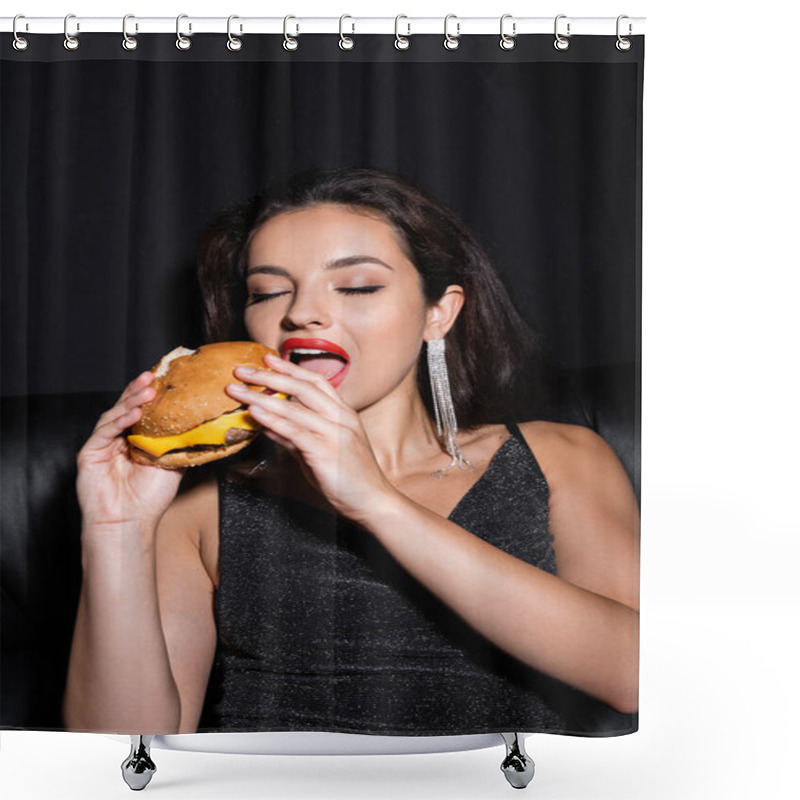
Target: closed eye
[257,298]
[360,289]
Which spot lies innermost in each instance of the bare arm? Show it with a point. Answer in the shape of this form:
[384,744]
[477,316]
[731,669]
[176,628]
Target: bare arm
[186,601]
[580,626]
[144,633]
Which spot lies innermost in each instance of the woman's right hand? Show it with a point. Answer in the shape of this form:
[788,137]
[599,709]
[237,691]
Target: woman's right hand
[112,488]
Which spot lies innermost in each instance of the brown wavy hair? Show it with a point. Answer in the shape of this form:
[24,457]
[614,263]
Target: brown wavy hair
[488,346]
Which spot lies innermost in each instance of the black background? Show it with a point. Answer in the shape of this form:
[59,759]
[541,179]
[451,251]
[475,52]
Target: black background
[112,163]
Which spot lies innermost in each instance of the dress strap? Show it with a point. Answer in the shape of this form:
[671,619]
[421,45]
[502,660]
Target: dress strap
[515,431]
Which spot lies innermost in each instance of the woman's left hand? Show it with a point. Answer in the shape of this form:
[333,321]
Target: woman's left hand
[320,430]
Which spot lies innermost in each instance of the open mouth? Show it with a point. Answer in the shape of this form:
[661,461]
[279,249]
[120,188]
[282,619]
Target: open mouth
[326,364]
[318,355]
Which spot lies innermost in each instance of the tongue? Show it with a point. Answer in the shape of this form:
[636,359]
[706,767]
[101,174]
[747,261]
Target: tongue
[325,365]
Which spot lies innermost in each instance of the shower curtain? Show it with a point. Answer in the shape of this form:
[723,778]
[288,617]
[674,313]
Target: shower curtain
[120,165]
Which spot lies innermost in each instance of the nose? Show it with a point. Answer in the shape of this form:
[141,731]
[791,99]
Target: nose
[307,309]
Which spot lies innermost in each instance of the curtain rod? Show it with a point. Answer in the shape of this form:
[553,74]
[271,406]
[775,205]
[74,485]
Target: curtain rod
[298,25]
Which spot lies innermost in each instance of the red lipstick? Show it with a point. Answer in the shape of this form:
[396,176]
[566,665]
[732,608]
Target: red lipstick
[318,344]
[313,344]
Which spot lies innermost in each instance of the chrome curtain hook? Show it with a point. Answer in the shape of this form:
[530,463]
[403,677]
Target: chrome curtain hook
[561,43]
[182,42]
[507,42]
[234,44]
[451,42]
[622,43]
[288,42]
[345,42]
[400,42]
[71,42]
[129,42]
[20,42]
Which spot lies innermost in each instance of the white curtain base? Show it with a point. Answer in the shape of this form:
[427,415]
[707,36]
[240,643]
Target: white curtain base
[319,743]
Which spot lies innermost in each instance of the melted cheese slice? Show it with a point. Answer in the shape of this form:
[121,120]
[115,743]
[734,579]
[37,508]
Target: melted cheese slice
[211,432]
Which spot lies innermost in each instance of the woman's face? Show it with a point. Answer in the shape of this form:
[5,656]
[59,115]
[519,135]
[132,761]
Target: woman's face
[333,275]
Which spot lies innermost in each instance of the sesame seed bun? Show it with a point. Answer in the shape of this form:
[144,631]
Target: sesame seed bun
[190,391]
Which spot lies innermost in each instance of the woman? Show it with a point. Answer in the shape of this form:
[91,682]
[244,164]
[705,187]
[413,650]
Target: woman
[394,562]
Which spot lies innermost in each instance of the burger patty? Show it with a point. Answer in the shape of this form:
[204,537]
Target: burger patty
[232,436]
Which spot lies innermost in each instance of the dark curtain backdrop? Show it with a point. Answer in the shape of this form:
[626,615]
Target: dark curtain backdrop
[113,161]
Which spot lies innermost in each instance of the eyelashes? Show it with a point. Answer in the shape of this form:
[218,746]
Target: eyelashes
[360,289]
[257,298]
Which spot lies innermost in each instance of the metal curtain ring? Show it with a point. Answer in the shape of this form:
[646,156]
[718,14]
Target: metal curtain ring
[561,43]
[288,42]
[507,42]
[234,44]
[70,42]
[129,42]
[400,42]
[20,42]
[451,42]
[345,42]
[182,42]
[622,43]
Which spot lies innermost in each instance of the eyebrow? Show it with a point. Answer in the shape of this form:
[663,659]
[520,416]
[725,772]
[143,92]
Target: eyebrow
[338,263]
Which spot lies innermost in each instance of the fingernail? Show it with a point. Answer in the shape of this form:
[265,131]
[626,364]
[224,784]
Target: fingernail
[274,359]
[246,370]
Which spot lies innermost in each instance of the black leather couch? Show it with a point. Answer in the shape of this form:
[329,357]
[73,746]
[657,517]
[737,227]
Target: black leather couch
[40,562]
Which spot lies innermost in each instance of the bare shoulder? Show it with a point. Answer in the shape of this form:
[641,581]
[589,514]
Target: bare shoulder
[194,515]
[195,501]
[562,432]
[576,459]
[593,512]
[561,447]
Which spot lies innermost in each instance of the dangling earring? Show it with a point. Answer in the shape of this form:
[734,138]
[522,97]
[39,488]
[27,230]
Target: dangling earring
[443,406]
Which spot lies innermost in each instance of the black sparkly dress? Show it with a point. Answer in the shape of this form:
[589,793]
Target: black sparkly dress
[320,629]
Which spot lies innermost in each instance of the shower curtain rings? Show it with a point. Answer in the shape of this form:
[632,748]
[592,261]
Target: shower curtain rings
[20,42]
[400,42]
[561,43]
[288,42]
[507,42]
[345,42]
[129,42]
[182,42]
[234,44]
[451,42]
[622,43]
[70,42]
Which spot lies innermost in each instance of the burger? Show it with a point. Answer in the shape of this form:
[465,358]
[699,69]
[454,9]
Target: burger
[192,420]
